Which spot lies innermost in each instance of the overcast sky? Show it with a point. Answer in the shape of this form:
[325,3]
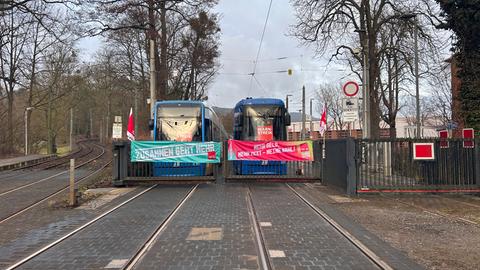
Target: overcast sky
[242,24]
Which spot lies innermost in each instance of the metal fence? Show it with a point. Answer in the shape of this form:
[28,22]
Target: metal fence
[388,165]
[125,171]
[275,170]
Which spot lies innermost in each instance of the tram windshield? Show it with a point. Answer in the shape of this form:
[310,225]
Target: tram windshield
[263,123]
[179,123]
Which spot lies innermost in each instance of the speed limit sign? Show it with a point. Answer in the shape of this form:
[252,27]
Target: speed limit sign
[350,88]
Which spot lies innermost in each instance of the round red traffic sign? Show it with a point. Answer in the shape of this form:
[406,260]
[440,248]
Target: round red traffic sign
[350,88]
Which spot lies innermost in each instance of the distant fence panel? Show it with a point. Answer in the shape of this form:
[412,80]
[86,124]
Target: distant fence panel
[389,165]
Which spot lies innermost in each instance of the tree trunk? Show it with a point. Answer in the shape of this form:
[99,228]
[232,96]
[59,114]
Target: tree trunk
[163,72]
[373,91]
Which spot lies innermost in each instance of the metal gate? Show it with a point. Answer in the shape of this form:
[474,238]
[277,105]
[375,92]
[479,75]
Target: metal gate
[276,170]
[125,171]
[388,165]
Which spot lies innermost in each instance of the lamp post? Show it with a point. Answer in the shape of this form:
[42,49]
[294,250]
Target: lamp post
[365,85]
[286,101]
[407,17]
[26,128]
[303,113]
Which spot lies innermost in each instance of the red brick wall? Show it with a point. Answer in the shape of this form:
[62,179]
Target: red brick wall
[336,134]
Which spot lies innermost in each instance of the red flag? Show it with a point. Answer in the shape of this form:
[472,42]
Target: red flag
[131,127]
[323,121]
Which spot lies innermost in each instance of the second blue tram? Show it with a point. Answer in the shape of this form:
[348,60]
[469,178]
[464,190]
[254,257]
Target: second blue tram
[260,119]
[185,121]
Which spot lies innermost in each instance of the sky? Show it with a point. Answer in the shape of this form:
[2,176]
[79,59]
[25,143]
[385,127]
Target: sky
[242,23]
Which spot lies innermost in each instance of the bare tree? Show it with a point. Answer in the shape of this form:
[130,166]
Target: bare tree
[11,54]
[330,95]
[104,16]
[342,26]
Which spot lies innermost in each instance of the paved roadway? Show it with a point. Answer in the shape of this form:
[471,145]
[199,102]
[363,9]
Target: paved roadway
[213,229]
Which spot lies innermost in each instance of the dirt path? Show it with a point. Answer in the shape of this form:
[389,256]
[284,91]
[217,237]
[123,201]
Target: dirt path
[438,231]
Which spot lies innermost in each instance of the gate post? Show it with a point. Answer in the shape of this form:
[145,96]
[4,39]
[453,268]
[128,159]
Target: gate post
[351,166]
[226,163]
[120,159]
[476,159]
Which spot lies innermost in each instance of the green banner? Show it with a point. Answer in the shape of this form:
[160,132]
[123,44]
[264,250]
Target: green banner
[170,151]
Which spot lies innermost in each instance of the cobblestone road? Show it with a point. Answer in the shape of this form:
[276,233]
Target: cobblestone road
[298,238]
[212,231]
[42,225]
[115,237]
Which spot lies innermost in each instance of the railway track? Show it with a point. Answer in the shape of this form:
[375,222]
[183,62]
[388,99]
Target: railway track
[57,190]
[59,173]
[149,241]
[80,152]
[372,256]
[265,258]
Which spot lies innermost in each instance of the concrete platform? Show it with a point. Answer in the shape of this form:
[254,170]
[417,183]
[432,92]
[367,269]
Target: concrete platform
[12,163]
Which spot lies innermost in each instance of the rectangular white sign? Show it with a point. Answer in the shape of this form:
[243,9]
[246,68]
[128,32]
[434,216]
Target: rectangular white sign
[117,131]
[350,116]
[350,104]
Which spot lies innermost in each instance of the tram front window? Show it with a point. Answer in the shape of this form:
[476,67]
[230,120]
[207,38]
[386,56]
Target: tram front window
[263,123]
[179,123]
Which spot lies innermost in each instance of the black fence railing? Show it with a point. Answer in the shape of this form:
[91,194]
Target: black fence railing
[125,171]
[276,170]
[384,165]
[356,166]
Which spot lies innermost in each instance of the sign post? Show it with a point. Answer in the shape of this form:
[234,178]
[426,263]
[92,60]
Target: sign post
[117,128]
[350,103]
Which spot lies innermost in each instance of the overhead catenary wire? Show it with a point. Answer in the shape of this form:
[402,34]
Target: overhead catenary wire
[260,47]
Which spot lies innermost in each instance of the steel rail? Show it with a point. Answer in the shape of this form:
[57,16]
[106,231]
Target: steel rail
[48,246]
[265,260]
[151,240]
[52,176]
[66,157]
[54,194]
[352,239]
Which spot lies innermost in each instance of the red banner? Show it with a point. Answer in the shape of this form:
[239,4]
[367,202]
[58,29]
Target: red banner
[271,150]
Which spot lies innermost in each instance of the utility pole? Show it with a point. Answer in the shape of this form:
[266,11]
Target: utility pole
[91,123]
[101,130]
[286,101]
[417,78]
[303,113]
[107,127]
[26,132]
[26,128]
[365,88]
[153,73]
[311,118]
[71,128]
